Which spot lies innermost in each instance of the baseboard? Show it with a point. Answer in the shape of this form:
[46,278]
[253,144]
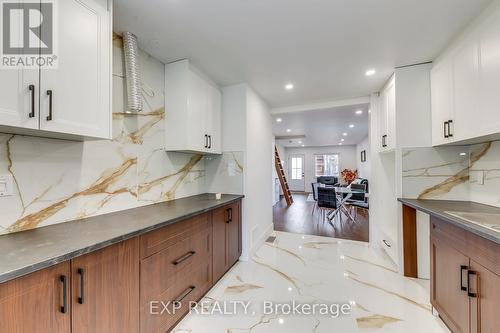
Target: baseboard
[257,243]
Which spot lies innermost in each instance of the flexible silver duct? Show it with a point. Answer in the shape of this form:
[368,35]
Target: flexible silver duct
[132,72]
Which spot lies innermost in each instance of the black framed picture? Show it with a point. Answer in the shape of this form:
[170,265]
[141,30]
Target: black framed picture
[363,156]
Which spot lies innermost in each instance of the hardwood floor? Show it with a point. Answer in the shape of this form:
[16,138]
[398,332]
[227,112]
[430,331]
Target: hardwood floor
[298,218]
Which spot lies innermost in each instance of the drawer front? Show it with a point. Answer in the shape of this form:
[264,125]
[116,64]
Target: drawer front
[185,287]
[163,238]
[160,271]
[480,249]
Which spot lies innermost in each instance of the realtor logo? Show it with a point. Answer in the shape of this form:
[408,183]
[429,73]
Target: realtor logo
[28,34]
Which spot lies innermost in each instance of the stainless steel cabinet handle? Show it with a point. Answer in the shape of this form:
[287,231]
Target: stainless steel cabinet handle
[469,292]
[462,269]
[184,258]
[184,294]
[50,94]
[31,87]
[64,281]
[82,283]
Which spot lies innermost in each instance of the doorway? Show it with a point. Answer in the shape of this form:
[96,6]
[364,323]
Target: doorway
[296,173]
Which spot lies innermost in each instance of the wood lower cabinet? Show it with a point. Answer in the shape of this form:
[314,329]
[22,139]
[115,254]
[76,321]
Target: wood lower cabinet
[485,305]
[122,288]
[38,302]
[105,290]
[449,269]
[181,271]
[465,279]
[227,238]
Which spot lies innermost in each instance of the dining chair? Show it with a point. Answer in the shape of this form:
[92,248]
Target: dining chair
[358,199]
[315,195]
[327,202]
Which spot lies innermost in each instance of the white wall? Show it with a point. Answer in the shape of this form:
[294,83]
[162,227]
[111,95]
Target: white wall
[234,107]
[247,127]
[259,172]
[364,168]
[347,159]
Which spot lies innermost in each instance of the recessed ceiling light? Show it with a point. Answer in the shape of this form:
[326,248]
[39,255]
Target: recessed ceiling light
[370,72]
[340,143]
[351,126]
[289,86]
[342,140]
[463,154]
[279,120]
[288,130]
[303,145]
[344,134]
[300,141]
[359,112]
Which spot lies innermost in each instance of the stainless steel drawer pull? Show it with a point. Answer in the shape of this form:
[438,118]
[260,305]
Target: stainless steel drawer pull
[184,294]
[184,257]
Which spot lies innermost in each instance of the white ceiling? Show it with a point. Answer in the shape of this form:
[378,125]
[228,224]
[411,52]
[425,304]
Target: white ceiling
[323,127]
[323,46]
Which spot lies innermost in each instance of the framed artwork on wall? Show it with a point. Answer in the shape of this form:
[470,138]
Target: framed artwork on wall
[363,156]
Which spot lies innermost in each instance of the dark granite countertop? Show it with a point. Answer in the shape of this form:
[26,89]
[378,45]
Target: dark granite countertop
[28,251]
[474,211]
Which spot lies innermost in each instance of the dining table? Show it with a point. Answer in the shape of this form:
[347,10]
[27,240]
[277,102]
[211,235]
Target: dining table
[344,193]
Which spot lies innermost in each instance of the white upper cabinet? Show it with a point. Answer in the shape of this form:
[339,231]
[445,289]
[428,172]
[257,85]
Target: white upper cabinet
[465,85]
[19,98]
[387,120]
[192,110]
[442,102]
[80,87]
[73,100]
[466,94]
[489,75]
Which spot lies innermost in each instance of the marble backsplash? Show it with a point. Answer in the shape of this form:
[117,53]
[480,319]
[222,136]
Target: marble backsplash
[57,180]
[452,173]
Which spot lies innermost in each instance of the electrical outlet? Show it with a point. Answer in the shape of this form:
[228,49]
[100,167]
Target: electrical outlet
[6,185]
[476,177]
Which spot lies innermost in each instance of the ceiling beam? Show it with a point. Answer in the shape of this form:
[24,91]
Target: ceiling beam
[321,105]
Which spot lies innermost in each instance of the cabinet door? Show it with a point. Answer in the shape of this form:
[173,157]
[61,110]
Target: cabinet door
[75,97]
[442,100]
[220,254]
[105,285]
[391,115]
[214,119]
[489,77]
[197,112]
[19,98]
[233,234]
[467,117]
[484,306]
[34,303]
[19,103]
[447,279]
[384,108]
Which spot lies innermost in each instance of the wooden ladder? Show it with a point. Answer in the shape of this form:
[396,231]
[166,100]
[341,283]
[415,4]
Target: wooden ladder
[282,177]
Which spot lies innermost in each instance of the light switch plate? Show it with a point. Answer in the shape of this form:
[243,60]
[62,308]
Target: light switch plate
[6,185]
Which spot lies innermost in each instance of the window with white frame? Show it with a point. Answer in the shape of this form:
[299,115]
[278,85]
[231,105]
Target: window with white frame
[326,165]
[297,168]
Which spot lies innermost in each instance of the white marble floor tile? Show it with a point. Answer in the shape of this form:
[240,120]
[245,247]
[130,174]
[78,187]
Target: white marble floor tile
[317,270]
